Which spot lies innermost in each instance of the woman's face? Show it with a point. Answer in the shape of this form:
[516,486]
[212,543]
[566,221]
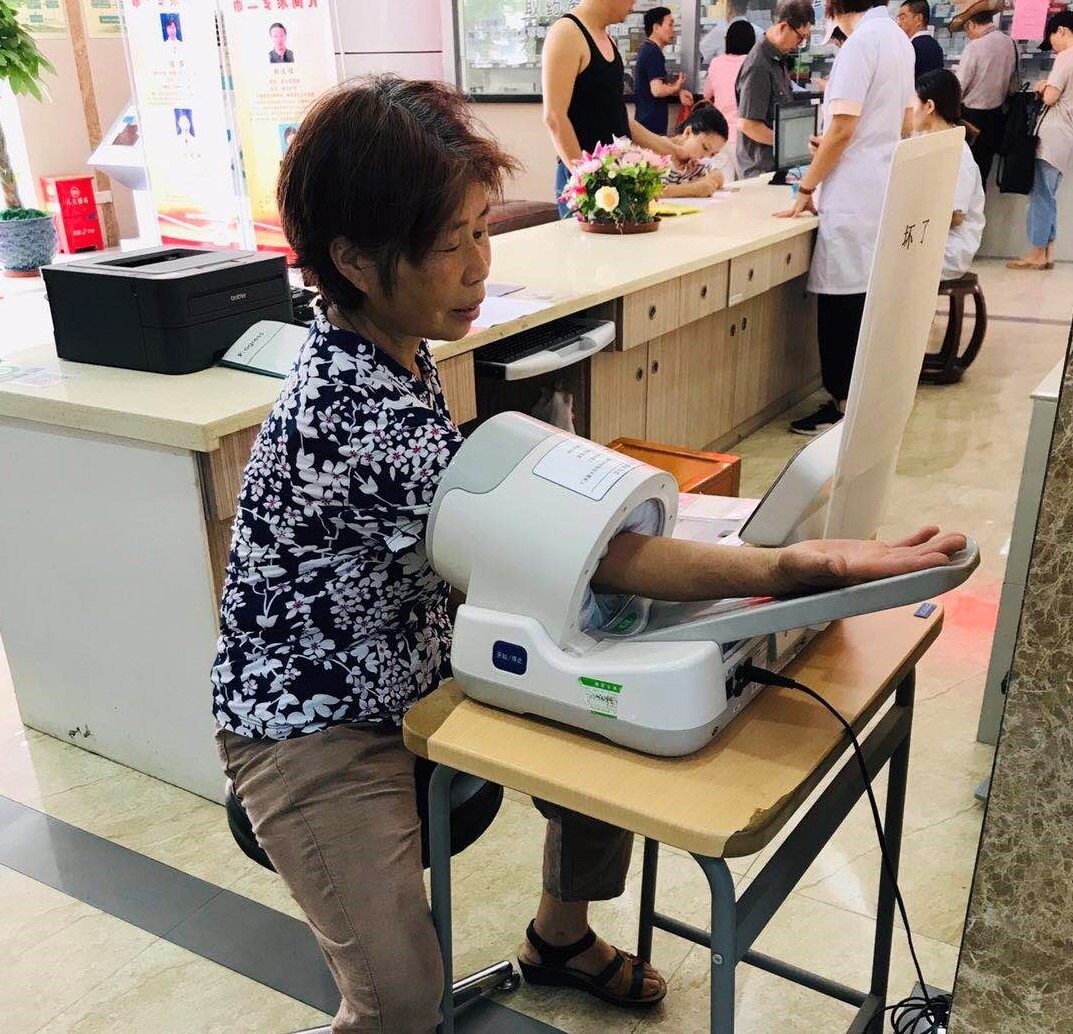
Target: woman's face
[440,297]
[923,112]
[701,145]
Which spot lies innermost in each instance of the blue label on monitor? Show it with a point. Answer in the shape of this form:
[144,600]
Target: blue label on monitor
[509,657]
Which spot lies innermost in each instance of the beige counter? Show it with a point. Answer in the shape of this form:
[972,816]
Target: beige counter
[647,282]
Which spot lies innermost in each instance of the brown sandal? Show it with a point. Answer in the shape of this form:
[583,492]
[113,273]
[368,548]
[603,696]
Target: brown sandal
[552,971]
[1025,264]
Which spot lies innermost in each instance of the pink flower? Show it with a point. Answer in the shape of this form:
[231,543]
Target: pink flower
[588,167]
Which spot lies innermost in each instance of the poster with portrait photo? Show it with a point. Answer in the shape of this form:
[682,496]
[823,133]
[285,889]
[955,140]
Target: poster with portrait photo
[287,131]
[282,59]
[182,117]
[280,54]
[171,27]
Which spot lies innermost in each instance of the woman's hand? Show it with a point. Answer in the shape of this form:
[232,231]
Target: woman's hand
[714,181]
[803,205]
[835,563]
[1040,86]
[814,144]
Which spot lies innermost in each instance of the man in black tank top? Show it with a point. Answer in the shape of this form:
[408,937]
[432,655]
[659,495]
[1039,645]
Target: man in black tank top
[582,83]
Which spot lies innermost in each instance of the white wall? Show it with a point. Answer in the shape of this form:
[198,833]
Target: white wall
[402,36]
[55,130]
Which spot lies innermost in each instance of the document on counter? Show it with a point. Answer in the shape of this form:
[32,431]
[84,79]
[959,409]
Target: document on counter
[496,309]
[268,347]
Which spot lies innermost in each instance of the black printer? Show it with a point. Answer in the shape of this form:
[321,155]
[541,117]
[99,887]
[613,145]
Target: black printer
[167,310]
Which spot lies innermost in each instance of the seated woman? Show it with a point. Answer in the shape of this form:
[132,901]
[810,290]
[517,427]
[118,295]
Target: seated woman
[333,623]
[938,107]
[701,138]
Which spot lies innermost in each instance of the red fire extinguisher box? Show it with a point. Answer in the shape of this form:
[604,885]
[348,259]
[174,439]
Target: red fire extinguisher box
[74,203]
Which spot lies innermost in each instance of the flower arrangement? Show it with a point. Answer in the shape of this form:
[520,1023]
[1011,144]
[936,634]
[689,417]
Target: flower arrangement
[612,189]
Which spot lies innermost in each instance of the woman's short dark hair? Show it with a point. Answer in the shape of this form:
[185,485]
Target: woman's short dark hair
[741,37]
[706,118]
[384,163]
[941,87]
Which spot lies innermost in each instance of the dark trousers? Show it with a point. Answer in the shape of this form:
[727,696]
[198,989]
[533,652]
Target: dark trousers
[838,325]
[990,123]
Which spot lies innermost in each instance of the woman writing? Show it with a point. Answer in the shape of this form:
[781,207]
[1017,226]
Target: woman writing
[702,138]
[866,109]
[333,623]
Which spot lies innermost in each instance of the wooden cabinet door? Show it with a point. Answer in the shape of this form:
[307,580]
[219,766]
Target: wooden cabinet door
[748,329]
[617,395]
[792,329]
[691,384]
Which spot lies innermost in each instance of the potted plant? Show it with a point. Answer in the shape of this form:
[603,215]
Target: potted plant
[27,235]
[612,189]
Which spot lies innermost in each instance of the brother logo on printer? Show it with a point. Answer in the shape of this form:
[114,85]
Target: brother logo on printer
[238,297]
[509,657]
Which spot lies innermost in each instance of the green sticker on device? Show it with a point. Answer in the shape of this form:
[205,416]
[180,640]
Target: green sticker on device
[601,696]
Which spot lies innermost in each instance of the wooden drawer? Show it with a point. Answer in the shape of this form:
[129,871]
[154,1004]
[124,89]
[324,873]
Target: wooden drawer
[702,293]
[459,387]
[750,275]
[649,313]
[790,259]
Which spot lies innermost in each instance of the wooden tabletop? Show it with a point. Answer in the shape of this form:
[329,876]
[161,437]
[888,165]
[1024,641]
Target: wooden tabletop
[728,799]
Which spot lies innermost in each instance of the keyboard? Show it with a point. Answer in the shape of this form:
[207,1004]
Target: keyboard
[552,346]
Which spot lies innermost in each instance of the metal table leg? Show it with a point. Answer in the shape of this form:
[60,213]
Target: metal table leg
[648,899]
[724,948]
[439,851]
[892,829]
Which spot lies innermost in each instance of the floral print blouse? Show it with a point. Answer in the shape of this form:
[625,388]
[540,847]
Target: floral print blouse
[331,613]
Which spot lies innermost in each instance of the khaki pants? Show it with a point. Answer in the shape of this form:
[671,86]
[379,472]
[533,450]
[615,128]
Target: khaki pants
[336,812]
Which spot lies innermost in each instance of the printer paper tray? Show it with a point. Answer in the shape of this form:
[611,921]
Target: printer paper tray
[723,621]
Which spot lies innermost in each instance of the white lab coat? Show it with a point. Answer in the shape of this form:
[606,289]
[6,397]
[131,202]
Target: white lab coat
[872,78]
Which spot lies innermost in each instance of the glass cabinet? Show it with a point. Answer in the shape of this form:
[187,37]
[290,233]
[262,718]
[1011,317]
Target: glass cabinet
[498,43]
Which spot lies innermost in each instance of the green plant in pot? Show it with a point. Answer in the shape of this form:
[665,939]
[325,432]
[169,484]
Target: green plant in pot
[27,235]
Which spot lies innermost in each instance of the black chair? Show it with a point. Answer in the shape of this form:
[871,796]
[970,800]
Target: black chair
[948,364]
[474,805]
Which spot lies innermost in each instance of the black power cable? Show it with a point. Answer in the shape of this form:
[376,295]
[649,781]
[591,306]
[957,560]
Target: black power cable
[906,1014]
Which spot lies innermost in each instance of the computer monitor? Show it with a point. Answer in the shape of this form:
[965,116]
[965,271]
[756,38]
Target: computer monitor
[796,122]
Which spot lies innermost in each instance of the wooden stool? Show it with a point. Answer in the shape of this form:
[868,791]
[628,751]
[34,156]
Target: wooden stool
[946,366]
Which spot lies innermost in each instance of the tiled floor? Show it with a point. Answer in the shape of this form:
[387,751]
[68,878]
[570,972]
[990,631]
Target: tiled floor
[68,967]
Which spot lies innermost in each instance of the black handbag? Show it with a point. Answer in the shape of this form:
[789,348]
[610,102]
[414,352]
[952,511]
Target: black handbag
[1019,143]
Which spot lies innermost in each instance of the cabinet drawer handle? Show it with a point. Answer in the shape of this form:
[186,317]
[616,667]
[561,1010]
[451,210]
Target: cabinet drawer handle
[733,329]
[655,366]
[744,323]
[789,257]
[651,312]
[640,374]
[750,275]
[704,291]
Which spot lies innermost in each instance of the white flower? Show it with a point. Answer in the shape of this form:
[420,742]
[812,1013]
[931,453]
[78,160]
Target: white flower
[607,199]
